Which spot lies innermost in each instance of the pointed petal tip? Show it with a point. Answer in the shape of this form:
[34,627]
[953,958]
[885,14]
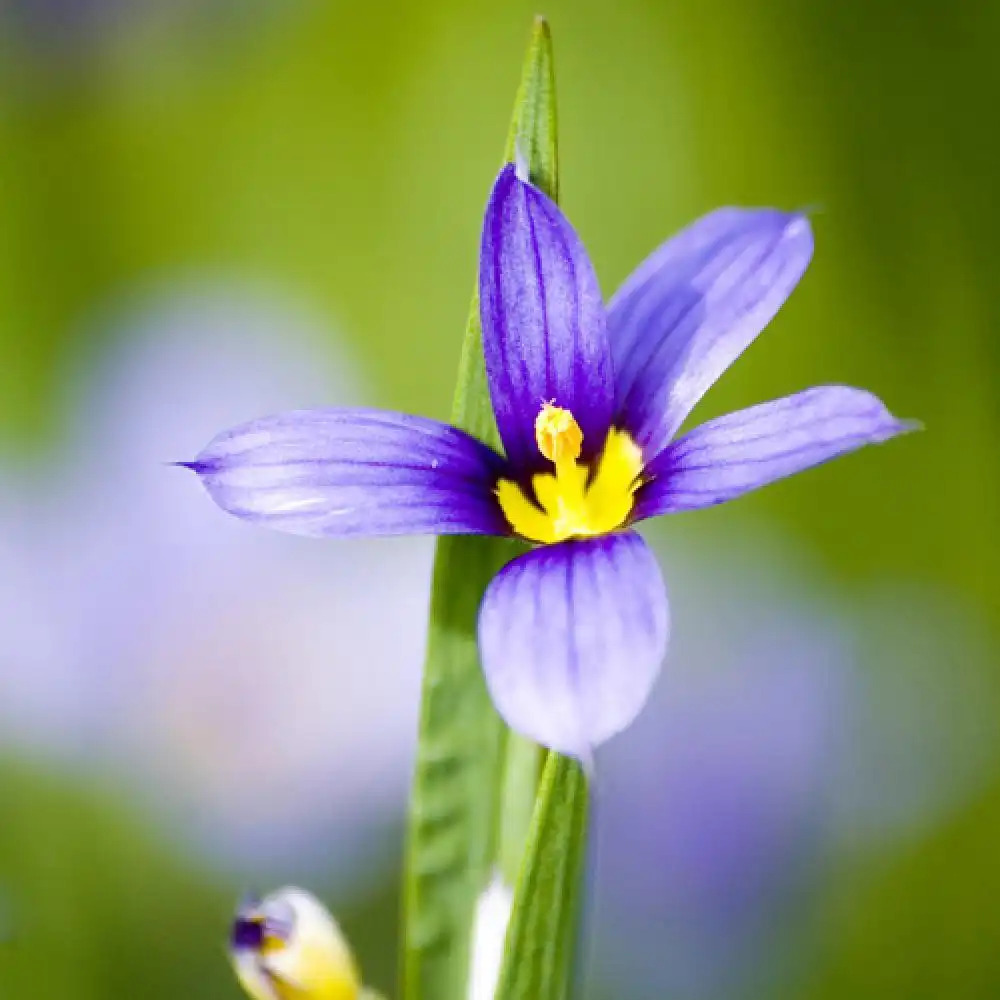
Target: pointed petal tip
[194,466]
[817,208]
[796,242]
[751,448]
[798,226]
[509,172]
[791,228]
[885,425]
[907,426]
[894,427]
[693,306]
[339,472]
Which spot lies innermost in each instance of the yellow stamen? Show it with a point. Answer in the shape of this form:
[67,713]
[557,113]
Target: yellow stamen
[576,500]
[559,437]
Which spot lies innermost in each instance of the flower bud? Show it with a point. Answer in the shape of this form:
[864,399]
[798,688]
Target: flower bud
[286,946]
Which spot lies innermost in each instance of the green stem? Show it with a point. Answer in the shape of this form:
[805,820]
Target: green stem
[541,936]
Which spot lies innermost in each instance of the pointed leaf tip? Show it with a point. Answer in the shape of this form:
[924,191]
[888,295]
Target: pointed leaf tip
[531,141]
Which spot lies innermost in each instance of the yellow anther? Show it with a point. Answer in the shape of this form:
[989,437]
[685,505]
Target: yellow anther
[559,437]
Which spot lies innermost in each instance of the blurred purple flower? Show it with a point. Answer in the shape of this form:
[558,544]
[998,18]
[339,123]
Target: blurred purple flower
[587,401]
[61,30]
[73,39]
[217,668]
[765,755]
[60,19]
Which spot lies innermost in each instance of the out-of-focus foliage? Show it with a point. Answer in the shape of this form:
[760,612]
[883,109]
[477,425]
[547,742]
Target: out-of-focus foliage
[290,146]
[95,902]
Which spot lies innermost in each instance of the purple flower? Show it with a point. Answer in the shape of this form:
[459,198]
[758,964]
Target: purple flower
[207,670]
[588,400]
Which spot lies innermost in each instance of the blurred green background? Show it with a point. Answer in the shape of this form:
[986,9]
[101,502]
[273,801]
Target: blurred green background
[336,158]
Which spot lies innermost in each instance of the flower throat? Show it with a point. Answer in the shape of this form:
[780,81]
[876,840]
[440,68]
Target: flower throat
[575,500]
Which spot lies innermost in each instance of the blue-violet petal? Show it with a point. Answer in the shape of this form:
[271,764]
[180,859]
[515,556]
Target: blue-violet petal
[341,472]
[544,331]
[750,448]
[692,307]
[572,637]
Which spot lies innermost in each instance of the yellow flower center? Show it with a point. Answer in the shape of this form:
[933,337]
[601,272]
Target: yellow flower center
[576,500]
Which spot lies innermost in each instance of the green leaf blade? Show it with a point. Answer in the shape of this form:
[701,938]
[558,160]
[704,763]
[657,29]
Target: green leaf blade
[523,761]
[462,766]
[454,797]
[538,952]
[534,127]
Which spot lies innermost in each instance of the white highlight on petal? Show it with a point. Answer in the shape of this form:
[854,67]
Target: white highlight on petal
[489,931]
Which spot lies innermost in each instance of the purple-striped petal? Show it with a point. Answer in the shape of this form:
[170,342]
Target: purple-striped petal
[572,637]
[692,307]
[750,448]
[340,472]
[544,333]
